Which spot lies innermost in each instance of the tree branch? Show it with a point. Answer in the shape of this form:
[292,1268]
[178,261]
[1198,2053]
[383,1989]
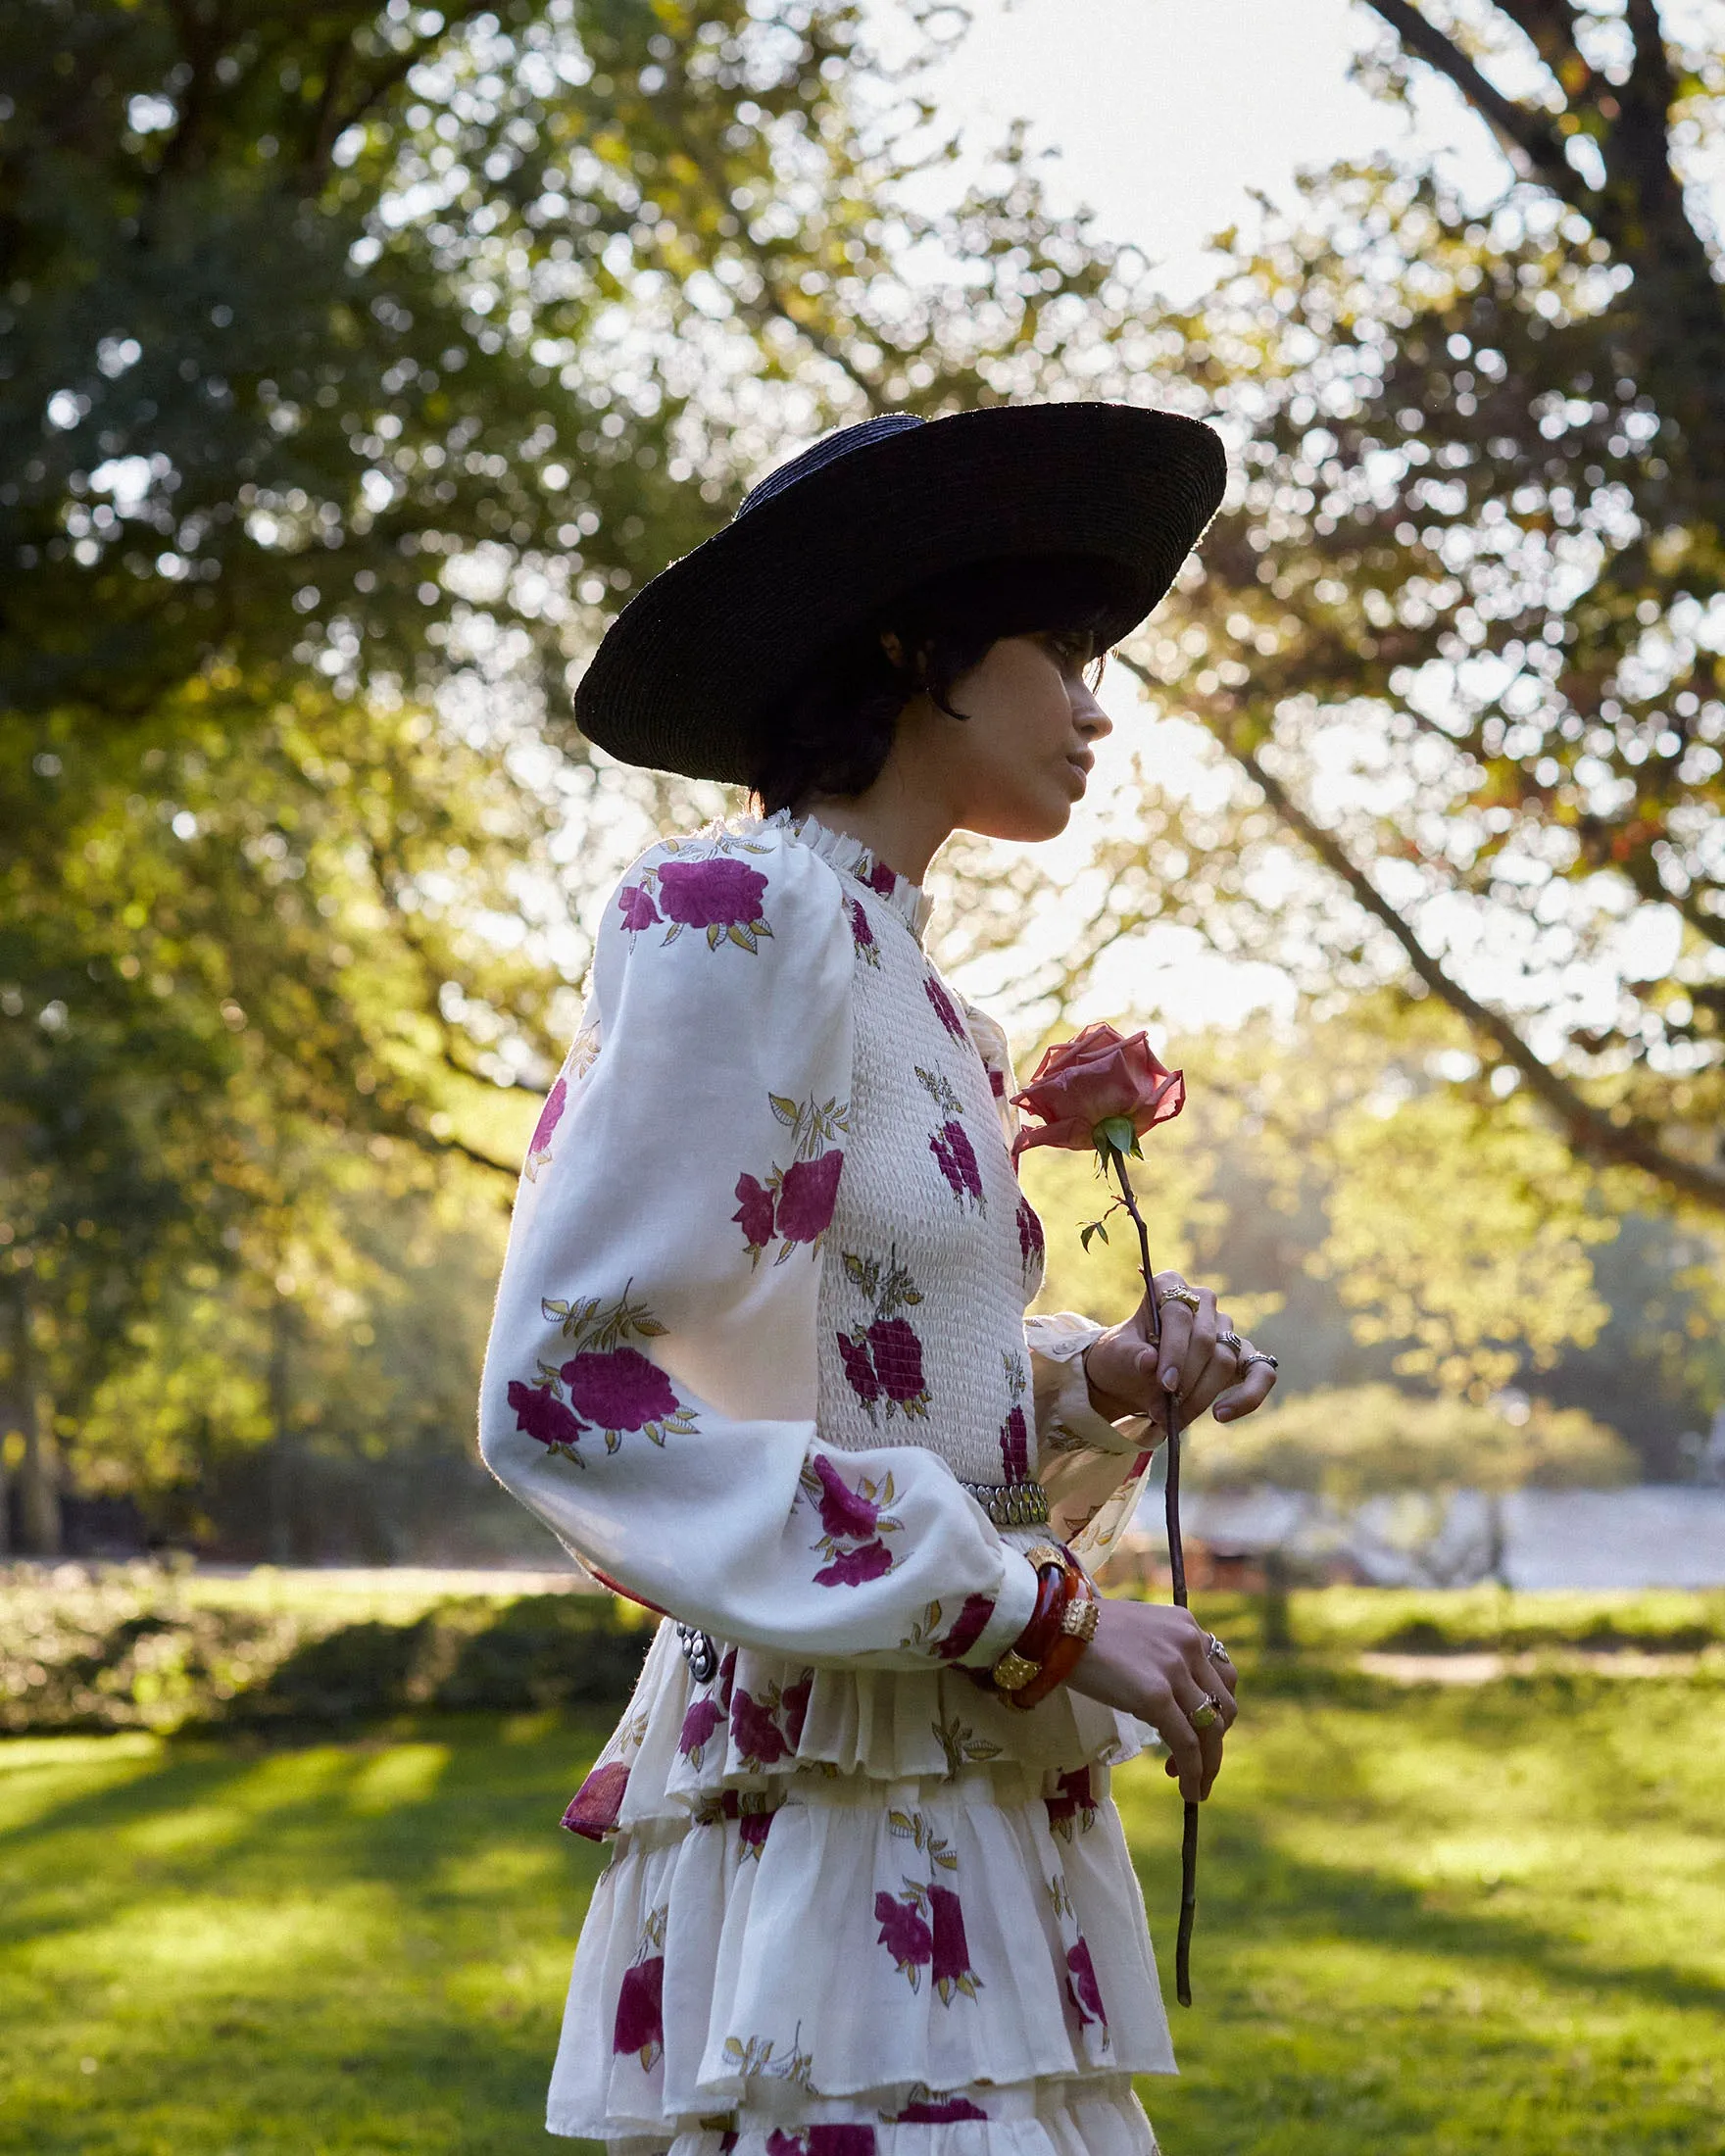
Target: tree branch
[1531,144]
[1590,1130]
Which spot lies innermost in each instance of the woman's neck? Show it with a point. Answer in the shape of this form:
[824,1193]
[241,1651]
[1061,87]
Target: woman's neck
[898,829]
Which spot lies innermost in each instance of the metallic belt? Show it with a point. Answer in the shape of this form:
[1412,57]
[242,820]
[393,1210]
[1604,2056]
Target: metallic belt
[1011,1505]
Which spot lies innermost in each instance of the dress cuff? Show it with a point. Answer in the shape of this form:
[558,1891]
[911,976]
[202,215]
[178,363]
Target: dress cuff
[1066,1421]
[1013,1609]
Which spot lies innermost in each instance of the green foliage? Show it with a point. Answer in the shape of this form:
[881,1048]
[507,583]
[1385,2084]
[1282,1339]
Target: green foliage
[1431,1919]
[134,1648]
[1368,1219]
[356,362]
[1461,628]
[1356,1442]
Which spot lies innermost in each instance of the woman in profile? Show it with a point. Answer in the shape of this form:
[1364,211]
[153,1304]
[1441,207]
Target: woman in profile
[761,1358]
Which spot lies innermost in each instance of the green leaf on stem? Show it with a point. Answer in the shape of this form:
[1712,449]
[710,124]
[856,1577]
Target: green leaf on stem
[1116,1134]
[1095,1228]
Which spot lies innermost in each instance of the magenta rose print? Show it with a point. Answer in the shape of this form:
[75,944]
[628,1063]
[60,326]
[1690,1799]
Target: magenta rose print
[597,1805]
[882,1359]
[605,1388]
[1082,1987]
[769,1729]
[861,935]
[637,909]
[922,1927]
[904,1934]
[927,2109]
[754,1733]
[839,2139]
[753,1829]
[1014,1431]
[945,1009]
[795,1203]
[1032,1254]
[550,1115]
[639,2025]
[853,1522]
[722,897]
[966,1628]
[702,1718]
[710,892]
[951,1145]
[1072,1809]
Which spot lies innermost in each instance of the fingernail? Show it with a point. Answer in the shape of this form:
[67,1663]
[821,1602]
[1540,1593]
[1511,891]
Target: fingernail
[1171,1378]
[1222,1414]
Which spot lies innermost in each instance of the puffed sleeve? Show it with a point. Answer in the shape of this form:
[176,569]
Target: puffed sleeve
[649,1386]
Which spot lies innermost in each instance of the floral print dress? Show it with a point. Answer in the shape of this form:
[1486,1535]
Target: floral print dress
[761,1360]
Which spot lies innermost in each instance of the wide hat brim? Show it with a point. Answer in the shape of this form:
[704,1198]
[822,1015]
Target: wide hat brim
[687,676]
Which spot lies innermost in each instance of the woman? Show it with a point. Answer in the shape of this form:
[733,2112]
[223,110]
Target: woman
[761,1358]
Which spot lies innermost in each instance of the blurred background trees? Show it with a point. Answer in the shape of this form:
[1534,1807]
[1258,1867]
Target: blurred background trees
[357,361]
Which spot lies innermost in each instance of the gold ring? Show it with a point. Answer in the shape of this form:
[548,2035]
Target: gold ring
[1207,1712]
[1186,1296]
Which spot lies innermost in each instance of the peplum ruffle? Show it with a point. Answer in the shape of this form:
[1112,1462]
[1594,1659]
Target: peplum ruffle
[909,1888]
[766,1717]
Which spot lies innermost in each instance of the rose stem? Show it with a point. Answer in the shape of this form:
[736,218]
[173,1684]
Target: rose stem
[1177,1574]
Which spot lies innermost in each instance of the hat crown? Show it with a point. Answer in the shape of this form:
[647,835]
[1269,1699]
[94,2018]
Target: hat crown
[844,441]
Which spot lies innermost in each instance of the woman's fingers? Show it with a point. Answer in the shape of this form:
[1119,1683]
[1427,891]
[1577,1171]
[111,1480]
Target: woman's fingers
[1251,1391]
[1188,1334]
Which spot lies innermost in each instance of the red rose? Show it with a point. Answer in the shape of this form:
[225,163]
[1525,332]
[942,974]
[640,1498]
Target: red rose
[1099,1076]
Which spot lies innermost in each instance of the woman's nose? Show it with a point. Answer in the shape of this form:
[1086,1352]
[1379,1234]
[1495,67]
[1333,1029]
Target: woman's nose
[1088,715]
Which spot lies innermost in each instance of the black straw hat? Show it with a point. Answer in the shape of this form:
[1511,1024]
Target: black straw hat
[687,676]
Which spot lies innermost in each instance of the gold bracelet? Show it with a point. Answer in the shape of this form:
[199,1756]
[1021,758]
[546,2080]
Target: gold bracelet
[1012,1672]
[1079,1620]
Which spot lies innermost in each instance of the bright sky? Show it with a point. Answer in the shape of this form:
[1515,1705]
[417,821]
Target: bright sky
[1165,113]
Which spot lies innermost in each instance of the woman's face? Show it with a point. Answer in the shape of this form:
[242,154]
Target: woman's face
[1016,764]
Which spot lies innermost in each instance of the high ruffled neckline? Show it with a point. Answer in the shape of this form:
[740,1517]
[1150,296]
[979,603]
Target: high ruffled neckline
[851,857]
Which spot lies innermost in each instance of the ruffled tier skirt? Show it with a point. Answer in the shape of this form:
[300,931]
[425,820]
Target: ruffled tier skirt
[858,1914]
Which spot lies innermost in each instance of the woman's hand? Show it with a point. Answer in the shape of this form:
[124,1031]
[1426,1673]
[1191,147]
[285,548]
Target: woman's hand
[1154,1661]
[1127,1377]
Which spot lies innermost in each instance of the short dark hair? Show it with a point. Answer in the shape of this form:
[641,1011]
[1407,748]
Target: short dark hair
[834,731]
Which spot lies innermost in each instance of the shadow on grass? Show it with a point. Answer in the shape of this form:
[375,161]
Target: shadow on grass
[297,1805]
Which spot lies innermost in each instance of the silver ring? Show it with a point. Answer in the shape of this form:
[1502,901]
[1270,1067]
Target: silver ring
[1258,1355]
[1214,1648]
[1206,1713]
[1188,1298]
[1231,1340]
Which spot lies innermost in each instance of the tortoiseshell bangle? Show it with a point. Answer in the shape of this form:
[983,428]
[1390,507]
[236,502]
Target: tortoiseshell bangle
[1079,1620]
[1023,1658]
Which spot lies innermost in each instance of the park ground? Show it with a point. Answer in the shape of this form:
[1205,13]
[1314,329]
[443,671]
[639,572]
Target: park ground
[1438,1919]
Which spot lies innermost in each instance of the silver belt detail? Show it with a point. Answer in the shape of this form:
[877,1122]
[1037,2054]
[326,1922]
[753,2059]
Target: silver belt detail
[1011,1505]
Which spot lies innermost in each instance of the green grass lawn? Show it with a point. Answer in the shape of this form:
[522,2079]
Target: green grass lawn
[1433,1921]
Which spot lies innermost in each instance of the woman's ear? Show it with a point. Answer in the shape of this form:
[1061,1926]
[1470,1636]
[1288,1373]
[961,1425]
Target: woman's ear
[893,647]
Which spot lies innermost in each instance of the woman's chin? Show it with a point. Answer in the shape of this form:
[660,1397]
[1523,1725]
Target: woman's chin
[1025,823]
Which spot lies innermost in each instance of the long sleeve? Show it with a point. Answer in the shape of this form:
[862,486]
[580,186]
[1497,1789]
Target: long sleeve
[1093,1470]
[650,1387]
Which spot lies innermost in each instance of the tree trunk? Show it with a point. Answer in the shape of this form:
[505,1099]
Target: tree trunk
[281,1463]
[39,1493]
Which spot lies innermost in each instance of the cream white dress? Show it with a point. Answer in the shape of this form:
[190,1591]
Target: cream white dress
[761,1360]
